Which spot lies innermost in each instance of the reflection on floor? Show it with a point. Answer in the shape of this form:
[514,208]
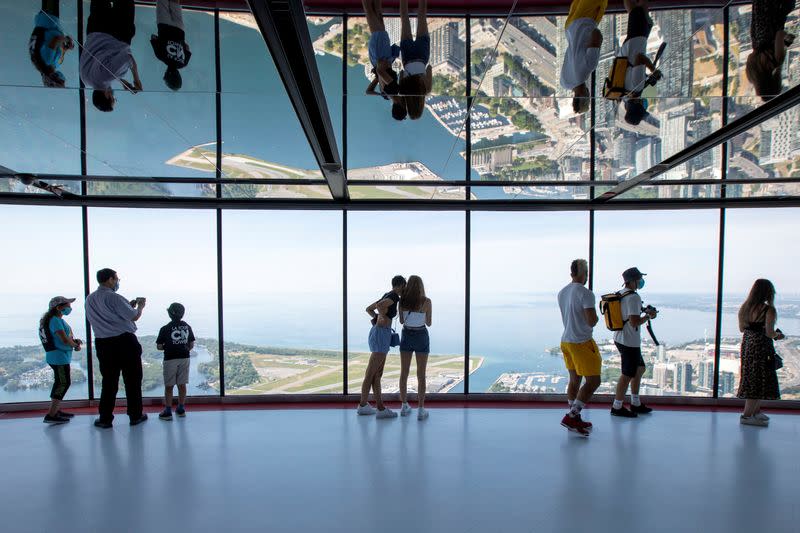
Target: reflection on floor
[465,470]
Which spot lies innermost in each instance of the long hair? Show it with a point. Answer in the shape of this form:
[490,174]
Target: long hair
[44,322]
[764,73]
[762,292]
[413,90]
[414,294]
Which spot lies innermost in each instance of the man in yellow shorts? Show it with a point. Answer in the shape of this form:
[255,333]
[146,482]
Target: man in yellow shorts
[583,49]
[581,354]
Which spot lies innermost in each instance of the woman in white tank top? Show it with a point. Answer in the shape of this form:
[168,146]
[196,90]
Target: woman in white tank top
[415,313]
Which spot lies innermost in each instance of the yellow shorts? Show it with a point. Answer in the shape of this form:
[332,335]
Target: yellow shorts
[584,358]
[586,9]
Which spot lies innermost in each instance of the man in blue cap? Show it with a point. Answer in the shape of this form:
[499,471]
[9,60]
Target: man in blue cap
[629,344]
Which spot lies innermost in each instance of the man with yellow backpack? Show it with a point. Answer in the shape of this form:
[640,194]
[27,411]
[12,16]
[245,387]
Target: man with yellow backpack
[624,315]
[628,76]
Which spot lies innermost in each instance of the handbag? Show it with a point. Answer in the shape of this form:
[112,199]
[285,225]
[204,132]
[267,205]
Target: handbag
[395,340]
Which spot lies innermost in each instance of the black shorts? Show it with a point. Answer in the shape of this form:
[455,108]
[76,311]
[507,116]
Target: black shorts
[631,359]
[114,18]
[639,23]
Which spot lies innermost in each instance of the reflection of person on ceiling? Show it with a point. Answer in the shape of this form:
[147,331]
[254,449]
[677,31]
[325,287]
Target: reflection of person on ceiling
[49,44]
[170,46]
[416,78]
[583,49]
[107,52]
[635,49]
[382,54]
[770,40]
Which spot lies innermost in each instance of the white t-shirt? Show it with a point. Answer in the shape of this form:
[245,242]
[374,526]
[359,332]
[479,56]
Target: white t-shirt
[104,59]
[579,61]
[572,300]
[634,78]
[629,335]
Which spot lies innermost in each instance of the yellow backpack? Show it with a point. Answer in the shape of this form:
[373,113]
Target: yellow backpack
[611,309]
[614,86]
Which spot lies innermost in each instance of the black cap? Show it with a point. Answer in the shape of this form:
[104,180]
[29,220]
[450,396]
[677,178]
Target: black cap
[634,112]
[632,274]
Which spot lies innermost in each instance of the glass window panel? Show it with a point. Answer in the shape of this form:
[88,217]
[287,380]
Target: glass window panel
[678,250]
[159,132]
[741,46]
[34,274]
[255,190]
[283,302]
[756,247]
[683,107]
[533,192]
[326,35]
[521,139]
[439,260]
[432,147]
[262,137]
[406,192]
[528,59]
[436,140]
[165,256]
[39,126]
[515,326]
[769,150]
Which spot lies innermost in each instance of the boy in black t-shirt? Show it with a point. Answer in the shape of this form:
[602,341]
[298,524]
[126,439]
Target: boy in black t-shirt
[170,45]
[176,340]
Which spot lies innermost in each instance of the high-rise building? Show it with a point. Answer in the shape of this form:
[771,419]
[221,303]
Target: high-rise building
[683,377]
[447,48]
[726,382]
[705,373]
[780,141]
[675,27]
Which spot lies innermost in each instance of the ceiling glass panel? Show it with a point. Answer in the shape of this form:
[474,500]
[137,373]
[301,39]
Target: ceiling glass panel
[262,137]
[157,131]
[40,126]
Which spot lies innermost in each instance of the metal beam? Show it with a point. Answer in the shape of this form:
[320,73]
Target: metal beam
[283,25]
[6,173]
[755,117]
[397,205]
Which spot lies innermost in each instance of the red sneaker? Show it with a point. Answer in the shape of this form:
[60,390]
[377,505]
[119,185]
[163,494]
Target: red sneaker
[575,424]
[587,425]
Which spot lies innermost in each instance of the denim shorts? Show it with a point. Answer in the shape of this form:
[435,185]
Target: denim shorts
[380,339]
[416,50]
[415,340]
[380,47]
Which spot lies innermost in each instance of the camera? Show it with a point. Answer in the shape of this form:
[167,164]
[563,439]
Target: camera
[650,310]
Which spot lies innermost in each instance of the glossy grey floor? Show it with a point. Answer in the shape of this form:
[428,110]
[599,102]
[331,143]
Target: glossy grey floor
[462,470]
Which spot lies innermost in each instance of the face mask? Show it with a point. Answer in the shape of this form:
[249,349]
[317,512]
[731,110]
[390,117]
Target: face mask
[66,311]
[116,286]
[641,284]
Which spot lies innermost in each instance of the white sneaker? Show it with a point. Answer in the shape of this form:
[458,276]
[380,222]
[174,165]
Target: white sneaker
[366,410]
[386,413]
[753,421]
[422,413]
[406,410]
[761,416]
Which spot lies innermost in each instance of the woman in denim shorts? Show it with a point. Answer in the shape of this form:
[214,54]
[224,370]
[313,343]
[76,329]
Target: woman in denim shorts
[382,54]
[382,312]
[416,315]
[416,78]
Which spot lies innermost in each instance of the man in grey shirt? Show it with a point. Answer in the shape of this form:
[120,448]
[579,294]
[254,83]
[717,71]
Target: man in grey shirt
[107,51]
[113,318]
